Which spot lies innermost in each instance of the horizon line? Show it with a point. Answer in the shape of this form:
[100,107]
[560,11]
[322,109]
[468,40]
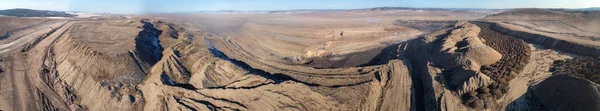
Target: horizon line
[307,9]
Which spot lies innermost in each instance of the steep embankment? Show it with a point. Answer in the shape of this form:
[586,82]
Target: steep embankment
[548,41]
[213,83]
[98,78]
[309,75]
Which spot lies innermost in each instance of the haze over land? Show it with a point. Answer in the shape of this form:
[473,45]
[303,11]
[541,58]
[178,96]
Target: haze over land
[315,58]
[162,6]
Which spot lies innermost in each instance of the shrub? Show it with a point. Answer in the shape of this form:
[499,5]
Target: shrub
[483,90]
[583,67]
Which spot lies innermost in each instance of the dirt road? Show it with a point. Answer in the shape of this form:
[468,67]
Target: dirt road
[536,71]
[20,82]
[22,40]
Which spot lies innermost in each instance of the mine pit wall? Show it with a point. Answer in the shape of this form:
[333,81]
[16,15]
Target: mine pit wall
[91,83]
[148,47]
[549,42]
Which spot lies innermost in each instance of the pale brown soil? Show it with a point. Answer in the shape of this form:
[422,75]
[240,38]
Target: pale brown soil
[341,60]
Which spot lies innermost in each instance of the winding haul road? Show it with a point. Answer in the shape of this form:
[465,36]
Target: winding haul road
[19,87]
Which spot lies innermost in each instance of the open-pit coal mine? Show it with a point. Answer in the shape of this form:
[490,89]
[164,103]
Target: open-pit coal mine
[388,59]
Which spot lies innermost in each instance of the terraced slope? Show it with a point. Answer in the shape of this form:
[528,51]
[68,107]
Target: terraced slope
[292,62]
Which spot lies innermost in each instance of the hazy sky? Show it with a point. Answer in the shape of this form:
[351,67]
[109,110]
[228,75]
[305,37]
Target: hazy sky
[162,6]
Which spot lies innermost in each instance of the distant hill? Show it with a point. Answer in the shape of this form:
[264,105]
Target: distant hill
[547,14]
[411,8]
[588,9]
[585,20]
[338,10]
[34,13]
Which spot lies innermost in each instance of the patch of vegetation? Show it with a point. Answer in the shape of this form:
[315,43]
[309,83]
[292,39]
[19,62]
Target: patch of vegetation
[34,13]
[479,99]
[584,67]
[515,55]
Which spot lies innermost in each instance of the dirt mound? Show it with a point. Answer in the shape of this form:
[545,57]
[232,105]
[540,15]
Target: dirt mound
[564,92]
[462,47]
